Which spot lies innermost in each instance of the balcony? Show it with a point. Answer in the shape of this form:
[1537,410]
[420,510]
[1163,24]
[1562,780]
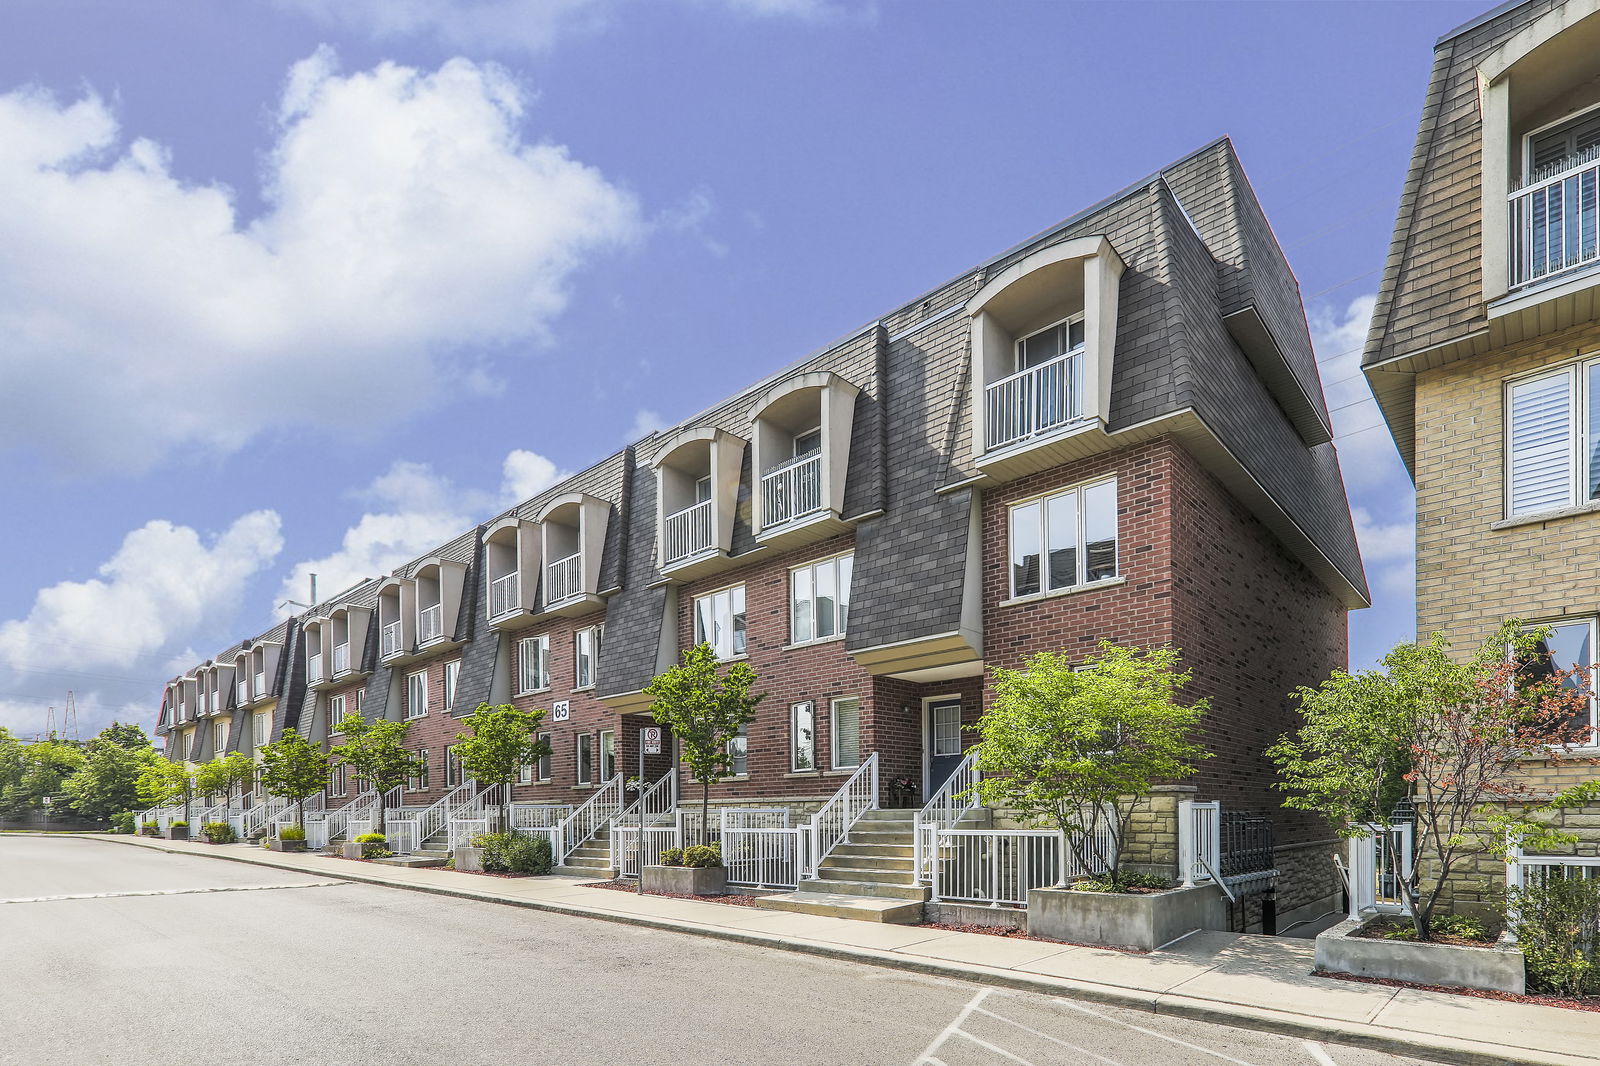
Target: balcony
[258,687]
[564,580]
[503,597]
[389,643]
[1034,401]
[430,623]
[791,491]
[341,659]
[241,693]
[313,669]
[687,533]
[1555,223]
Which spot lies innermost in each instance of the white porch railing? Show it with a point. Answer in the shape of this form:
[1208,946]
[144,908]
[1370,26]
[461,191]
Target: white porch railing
[313,669]
[565,579]
[996,866]
[586,821]
[503,595]
[430,623]
[390,642]
[769,857]
[465,830]
[754,818]
[205,815]
[400,835]
[337,822]
[1033,401]
[241,692]
[1199,841]
[341,658]
[254,818]
[313,808]
[625,846]
[686,533]
[1379,862]
[538,815]
[367,821]
[1555,222]
[791,491]
[654,805]
[949,803]
[832,823]
[435,818]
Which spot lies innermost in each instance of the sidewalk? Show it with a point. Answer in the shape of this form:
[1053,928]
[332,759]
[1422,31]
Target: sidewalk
[1251,981]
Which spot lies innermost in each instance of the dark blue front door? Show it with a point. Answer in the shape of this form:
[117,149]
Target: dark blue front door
[943,741]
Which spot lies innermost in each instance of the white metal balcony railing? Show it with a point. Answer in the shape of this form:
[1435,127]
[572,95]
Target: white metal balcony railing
[686,533]
[389,643]
[258,687]
[430,623]
[503,595]
[341,658]
[1033,401]
[313,669]
[565,579]
[791,491]
[241,694]
[1555,222]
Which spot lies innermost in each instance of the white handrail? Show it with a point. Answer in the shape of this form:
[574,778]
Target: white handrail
[656,802]
[1034,400]
[503,594]
[436,816]
[949,803]
[832,823]
[586,821]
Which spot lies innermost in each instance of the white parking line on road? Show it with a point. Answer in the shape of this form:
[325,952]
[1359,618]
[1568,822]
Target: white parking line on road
[1152,1032]
[1047,1036]
[1319,1053]
[926,1058]
[172,891]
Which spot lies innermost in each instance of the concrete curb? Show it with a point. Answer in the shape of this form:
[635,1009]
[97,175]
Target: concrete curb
[1283,1023]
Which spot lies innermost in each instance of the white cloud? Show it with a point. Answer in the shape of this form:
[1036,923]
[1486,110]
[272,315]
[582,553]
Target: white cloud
[1366,452]
[1385,541]
[406,218]
[525,474]
[645,423]
[164,585]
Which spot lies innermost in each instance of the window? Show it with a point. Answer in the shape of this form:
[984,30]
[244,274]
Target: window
[361,700]
[608,755]
[803,736]
[719,622]
[846,733]
[946,727]
[1571,648]
[1562,147]
[1049,343]
[1075,530]
[819,599]
[417,694]
[452,674]
[335,715]
[419,782]
[452,767]
[1552,429]
[544,760]
[533,664]
[702,489]
[739,752]
[585,650]
[336,782]
[263,733]
[585,745]
[808,442]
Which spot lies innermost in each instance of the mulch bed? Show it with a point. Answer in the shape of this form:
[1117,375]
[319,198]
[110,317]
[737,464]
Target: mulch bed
[732,899]
[1376,931]
[1588,1003]
[1020,934]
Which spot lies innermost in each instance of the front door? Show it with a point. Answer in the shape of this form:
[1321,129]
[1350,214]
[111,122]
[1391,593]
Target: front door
[943,741]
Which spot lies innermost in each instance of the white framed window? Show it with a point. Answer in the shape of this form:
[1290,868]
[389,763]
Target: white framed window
[739,752]
[946,721]
[584,752]
[417,694]
[452,767]
[719,622]
[585,652]
[533,664]
[819,598]
[544,760]
[702,489]
[361,700]
[1064,539]
[525,774]
[1552,428]
[1571,648]
[808,441]
[419,781]
[1052,342]
[845,729]
[263,728]
[335,715]
[803,736]
[1541,869]
[1561,145]
[336,781]
[608,754]
[452,675]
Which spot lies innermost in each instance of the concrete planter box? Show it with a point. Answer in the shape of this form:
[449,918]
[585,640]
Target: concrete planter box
[177,832]
[1145,920]
[353,849]
[287,845]
[1498,968]
[469,860]
[687,880]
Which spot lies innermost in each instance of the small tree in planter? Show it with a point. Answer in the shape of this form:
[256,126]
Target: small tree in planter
[162,783]
[295,769]
[502,741]
[376,753]
[705,711]
[1453,737]
[1082,747]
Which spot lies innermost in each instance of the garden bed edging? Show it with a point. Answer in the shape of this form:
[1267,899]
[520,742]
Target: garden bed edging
[1494,967]
[1144,921]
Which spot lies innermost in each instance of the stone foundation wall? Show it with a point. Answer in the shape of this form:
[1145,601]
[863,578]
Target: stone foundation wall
[1477,885]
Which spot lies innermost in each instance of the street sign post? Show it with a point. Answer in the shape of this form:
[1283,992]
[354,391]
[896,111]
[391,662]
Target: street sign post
[651,738]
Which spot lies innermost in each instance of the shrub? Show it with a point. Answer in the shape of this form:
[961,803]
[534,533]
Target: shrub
[1557,925]
[150,829]
[1454,925]
[178,825]
[372,846]
[122,823]
[1122,881]
[291,832]
[513,853]
[372,838]
[672,857]
[219,833]
[703,855]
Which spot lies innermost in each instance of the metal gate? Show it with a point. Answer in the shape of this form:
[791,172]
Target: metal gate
[1379,864]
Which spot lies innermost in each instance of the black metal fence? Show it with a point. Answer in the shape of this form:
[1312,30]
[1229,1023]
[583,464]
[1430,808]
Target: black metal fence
[1246,843]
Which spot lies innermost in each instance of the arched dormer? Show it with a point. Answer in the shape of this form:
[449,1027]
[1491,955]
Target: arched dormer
[697,495]
[347,637]
[802,457]
[573,536]
[397,617]
[438,589]
[512,548]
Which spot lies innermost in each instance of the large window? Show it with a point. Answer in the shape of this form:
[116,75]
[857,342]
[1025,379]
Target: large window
[1571,649]
[846,733]
[585,653]
[417,694]
[739,752]
[544,760]
[819,599]
[608,755]
[335,715]
[336,781]
[803,736]
[719,622]
[585,753]
[1553,440]
[452,767]
[419,783]
[452,674]
[263,728]
[1065,539]
[533,664]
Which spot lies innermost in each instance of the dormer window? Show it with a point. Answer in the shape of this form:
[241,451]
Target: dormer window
[430,610]
[803,428]
[697,493]
[574,534]
[512,551]
[1555,219]
[438,595]
[397,623]
[314,639]
[258,673]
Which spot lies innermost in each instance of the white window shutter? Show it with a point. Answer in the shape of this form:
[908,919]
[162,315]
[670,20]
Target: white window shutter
[1541,432]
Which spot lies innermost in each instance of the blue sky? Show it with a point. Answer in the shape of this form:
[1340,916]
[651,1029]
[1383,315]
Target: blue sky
[311,285]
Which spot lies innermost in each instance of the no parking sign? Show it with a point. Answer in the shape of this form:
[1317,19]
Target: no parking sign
[651,738]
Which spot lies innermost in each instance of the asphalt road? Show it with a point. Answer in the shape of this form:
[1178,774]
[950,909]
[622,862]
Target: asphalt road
[122,956]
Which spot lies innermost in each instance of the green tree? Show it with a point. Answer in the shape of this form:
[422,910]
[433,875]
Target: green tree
[376,753]
[1082,748]
[107,782]
[45,766]
[705,711]
[1453,737]
[126,734]
[502,741]
[224,774]
[294,768]
[162,783]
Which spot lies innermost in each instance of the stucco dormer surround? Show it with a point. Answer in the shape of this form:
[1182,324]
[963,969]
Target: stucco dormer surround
[513,548]
[801,458]
[1028,396]
[573,536]
[439,583]
[347,640]
[697,496]
[397,618]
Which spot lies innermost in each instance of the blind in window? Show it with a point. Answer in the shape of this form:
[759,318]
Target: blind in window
[1565,146]
[846,733]
[1541,435]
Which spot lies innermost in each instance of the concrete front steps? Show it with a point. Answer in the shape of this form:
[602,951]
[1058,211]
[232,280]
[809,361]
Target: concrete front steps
[870,878]
[591,859]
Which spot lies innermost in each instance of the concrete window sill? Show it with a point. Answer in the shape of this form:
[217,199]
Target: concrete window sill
[1092,586]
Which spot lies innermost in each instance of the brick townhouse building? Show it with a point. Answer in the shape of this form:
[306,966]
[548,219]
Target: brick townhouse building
[1113,431]
[1484,344]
